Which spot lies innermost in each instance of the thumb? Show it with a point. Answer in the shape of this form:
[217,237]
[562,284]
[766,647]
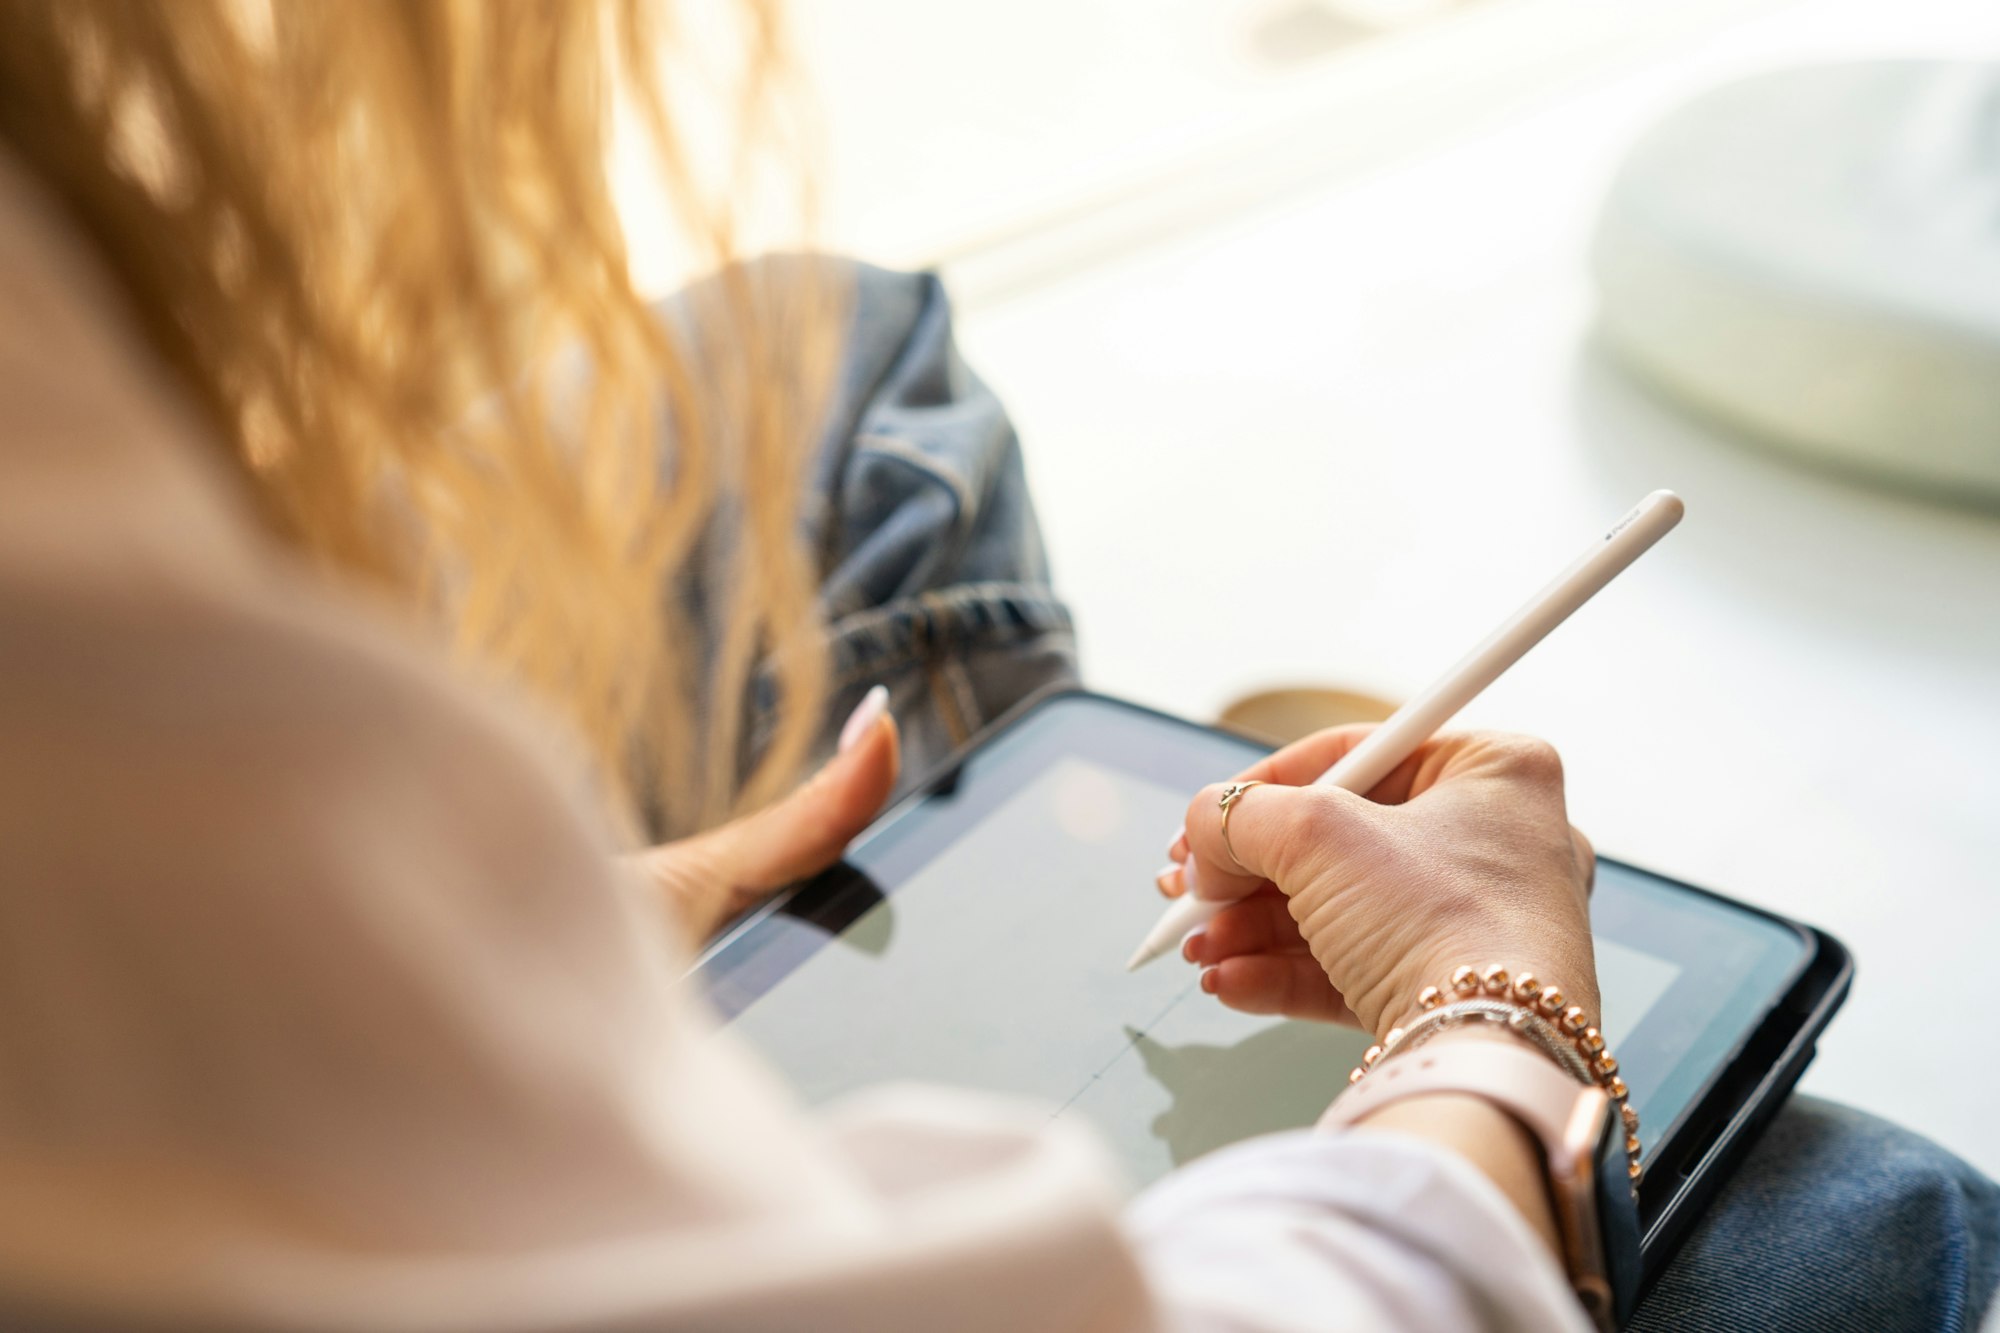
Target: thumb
[806,831]
[714,876]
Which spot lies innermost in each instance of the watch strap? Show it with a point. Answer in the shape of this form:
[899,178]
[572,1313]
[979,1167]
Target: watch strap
[1567,1120]
[1525,1084]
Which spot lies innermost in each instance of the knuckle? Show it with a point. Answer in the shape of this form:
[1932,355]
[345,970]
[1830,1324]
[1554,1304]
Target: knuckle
[1318,824]
[1531,757]
[1322,817]
[1206,804]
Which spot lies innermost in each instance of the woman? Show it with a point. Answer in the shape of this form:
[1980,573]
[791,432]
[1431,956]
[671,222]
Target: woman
[328,1002]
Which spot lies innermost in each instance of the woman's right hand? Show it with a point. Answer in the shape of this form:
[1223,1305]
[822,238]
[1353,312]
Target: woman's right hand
[1351,905]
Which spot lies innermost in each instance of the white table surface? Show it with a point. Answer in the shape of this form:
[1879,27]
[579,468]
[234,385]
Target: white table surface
[1336,440]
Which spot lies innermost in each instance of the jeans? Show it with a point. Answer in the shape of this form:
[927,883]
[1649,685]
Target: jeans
[935,585]
[1837,1220]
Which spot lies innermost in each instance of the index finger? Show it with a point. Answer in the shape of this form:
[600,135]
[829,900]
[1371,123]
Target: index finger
[1294,765]
[1304,760]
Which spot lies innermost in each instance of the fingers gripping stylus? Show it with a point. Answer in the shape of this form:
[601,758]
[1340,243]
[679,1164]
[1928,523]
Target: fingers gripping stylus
[1419,719]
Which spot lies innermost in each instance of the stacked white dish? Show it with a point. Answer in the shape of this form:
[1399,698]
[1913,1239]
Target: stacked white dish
[1813,257]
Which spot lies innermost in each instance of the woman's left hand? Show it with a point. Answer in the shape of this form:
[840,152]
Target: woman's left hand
[712,877]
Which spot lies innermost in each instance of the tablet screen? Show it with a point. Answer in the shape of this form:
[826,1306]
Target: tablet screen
[978,937]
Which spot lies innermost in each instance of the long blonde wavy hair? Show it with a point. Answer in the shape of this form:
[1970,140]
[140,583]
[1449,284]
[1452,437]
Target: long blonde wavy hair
[378,242]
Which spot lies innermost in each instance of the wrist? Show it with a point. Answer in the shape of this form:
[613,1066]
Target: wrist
[1499,1010]
[1539,1014]
[1571,974]
[1549,1143]
[1494,1142]
[1476,1032]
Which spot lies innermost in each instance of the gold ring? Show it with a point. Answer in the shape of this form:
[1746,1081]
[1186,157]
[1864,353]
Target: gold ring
[1230,796]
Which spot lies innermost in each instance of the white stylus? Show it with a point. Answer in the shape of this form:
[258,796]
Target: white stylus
[1418,720]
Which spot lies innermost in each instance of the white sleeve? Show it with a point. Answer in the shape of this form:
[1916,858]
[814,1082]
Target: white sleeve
[1360,1230]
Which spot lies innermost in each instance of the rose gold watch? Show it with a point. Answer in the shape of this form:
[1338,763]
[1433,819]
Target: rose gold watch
[1578,1131]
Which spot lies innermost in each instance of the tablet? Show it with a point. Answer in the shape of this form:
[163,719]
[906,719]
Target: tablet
[977,934]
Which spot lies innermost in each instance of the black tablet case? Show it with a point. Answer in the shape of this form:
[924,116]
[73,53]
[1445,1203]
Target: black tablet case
[1736,1110]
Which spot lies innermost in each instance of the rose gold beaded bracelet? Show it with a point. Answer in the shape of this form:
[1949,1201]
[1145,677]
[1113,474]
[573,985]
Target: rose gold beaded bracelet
[1544,1006]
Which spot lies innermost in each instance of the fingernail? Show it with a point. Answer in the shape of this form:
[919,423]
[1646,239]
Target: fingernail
[1191,945]
[865,715]
[1210,982]
[1187,875]
[1177,850]
[1165,878]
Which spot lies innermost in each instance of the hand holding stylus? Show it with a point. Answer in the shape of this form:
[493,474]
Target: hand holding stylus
[1360,769]
[1355,903]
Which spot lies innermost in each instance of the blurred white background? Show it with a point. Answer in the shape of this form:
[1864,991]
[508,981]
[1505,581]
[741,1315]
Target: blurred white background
[1289,301]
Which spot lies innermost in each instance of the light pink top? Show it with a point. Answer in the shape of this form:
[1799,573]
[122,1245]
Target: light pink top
[322,1005]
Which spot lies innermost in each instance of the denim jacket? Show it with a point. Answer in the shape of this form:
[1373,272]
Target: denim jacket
[933,578]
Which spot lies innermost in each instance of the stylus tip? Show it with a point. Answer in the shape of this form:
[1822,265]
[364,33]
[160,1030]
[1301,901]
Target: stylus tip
[1147,953]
